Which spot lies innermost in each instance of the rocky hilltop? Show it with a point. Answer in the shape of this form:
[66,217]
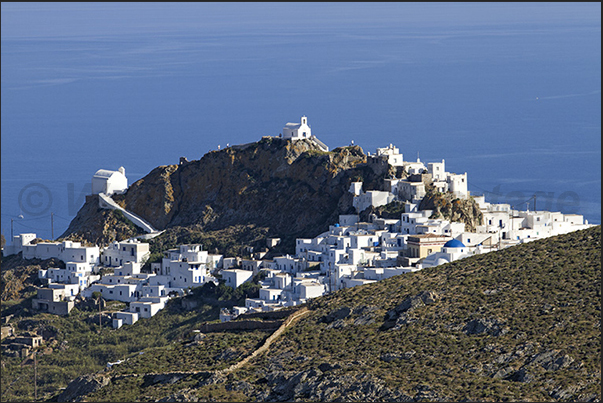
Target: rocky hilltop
[288,189]
[273,187]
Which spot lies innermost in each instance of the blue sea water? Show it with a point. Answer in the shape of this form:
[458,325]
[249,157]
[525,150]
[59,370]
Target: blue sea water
[508,92]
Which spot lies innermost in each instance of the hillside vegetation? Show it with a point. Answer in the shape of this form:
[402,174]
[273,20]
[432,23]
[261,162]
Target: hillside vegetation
[521,324]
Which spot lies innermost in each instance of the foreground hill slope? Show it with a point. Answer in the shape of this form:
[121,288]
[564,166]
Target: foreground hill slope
[285,188]
[521,324]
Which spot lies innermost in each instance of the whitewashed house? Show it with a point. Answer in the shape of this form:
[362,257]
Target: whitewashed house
[18,242]
[413,168]
[235,277]
[394,158]
[73,273]
[67,251]
[57,299]
[185,266]
[148,306]
[374,198]
[437,170]
[457,184]
[308,289]
[109,182]
[131,250]
[440,227]
[124,292]
[290,264]
[408,190]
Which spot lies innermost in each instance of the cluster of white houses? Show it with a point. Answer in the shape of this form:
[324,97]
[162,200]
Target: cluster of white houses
[350,253]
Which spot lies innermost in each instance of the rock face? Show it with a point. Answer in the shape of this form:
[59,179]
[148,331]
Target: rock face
[292,188]
[99,226]
[314,385]
[401,315]
[445,205]
[19,277]
[82,386]
[489,326]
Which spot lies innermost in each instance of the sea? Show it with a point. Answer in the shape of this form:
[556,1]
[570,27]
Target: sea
[508,92]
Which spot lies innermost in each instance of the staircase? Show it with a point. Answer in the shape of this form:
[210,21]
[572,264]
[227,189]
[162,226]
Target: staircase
[107,202]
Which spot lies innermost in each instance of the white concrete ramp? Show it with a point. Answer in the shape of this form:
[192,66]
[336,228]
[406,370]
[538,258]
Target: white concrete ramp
[107,202]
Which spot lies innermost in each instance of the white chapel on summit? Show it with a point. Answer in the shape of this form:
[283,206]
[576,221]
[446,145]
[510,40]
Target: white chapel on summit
[109,182]
[296,131]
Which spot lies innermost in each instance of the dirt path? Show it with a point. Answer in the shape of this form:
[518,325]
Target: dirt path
[264,347]
[267,343]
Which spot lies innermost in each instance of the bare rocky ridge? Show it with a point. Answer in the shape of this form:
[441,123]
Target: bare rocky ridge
[288,189]
[291,188]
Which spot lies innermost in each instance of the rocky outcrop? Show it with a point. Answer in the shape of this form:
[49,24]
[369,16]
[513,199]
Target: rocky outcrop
[316,385]
[291,188]
[82,386]
[98,226]
[451,208]
[401,315]
[489,326]
[19,276]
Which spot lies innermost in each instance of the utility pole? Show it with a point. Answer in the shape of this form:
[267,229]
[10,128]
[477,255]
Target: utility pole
[52,225]
[11,229]
[534,202]
[35,375]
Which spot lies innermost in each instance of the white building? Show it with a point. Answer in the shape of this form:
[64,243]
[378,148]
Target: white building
[374,198]
[413,168]
[457,184]
[73,273]
[297,131]
[235,277]
[148,306]
[308,289]
[394,158]
[18,242]
[437,170]
[289,264]
[127,318]
[185,266]
[67,251]
[407,190]
[57,299]
[109,182]
[452,250]
[119,253]
[300,131]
